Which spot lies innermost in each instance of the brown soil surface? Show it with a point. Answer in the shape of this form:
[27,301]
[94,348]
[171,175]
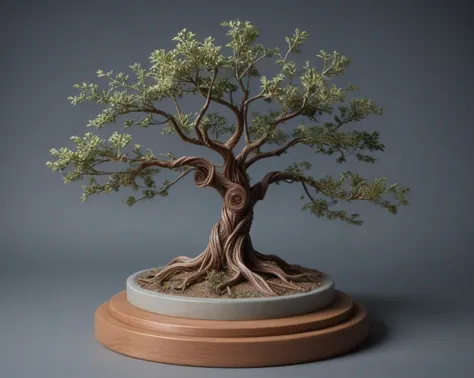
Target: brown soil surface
[204,289]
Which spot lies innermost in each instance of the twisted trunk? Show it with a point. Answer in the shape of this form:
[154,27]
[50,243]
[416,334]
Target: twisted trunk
[230,247]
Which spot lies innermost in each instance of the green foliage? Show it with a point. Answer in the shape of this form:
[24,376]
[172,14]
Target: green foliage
[91,150]
[125,179]
[320,208]
[295,42]
[352,187]
[329,141]
[262,125]
[270,87]
[334,64]
[246,52]
[195,55]
[358,109]
[119,141]
[83,158]
[313,90]
[217,125]
[242,34]
[144,122]
[299,168]
[185,122]
[298,91]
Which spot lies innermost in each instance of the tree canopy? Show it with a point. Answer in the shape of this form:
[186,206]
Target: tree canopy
[229,77]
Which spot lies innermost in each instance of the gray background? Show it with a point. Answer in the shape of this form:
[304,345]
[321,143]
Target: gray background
[61,258]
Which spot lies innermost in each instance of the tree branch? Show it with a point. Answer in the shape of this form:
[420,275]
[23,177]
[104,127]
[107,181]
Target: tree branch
[360,188]
[242,125]
[246,109]
[253,64]
[260,142]
[276,152]
[234,139]
[165,188]
[203,136]
[307,192]
[217,100]
[222,146]
[184,173]
[191,161]
[276,176]
[260,188]
[176,127]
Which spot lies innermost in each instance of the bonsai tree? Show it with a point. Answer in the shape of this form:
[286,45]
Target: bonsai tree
[232,82]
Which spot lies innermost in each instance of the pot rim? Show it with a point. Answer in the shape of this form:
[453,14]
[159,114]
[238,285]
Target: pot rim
[327,284]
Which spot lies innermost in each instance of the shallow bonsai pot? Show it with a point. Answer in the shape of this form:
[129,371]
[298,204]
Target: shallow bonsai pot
[230,308]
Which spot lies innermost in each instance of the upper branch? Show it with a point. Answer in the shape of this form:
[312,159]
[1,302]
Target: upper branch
[245,115]
[215,99]
[234,139]
[255,145]
[198,120]
[176,127]
[217,146]
[277,152]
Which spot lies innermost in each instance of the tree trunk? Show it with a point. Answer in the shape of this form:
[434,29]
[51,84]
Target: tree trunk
[230,247]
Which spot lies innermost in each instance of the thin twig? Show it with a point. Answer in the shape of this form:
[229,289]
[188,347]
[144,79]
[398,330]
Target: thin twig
[307,192]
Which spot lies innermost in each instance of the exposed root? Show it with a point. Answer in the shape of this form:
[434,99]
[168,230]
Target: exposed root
[230,250]
[289,268]
[258,265]
[232,282]
[174,268]
[284,286]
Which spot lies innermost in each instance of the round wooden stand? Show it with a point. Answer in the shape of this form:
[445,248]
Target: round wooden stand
[332,331]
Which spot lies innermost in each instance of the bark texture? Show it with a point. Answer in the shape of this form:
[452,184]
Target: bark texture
[230,247]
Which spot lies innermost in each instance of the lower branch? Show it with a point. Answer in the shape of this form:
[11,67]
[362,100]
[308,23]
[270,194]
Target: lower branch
[259,190]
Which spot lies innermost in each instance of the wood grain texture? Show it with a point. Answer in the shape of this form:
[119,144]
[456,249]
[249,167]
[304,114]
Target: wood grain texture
[123,311]
[335,330]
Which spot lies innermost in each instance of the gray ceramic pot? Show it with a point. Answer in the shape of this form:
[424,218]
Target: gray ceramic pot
[230,308]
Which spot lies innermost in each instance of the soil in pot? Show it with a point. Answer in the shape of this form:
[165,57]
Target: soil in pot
[206,288]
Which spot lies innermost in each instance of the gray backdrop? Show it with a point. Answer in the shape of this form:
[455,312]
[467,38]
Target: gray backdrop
[61,258]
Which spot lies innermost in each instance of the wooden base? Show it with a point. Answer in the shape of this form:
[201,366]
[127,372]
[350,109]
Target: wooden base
[332,331]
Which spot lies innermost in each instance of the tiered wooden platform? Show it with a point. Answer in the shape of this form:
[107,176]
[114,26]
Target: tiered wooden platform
[335,330]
